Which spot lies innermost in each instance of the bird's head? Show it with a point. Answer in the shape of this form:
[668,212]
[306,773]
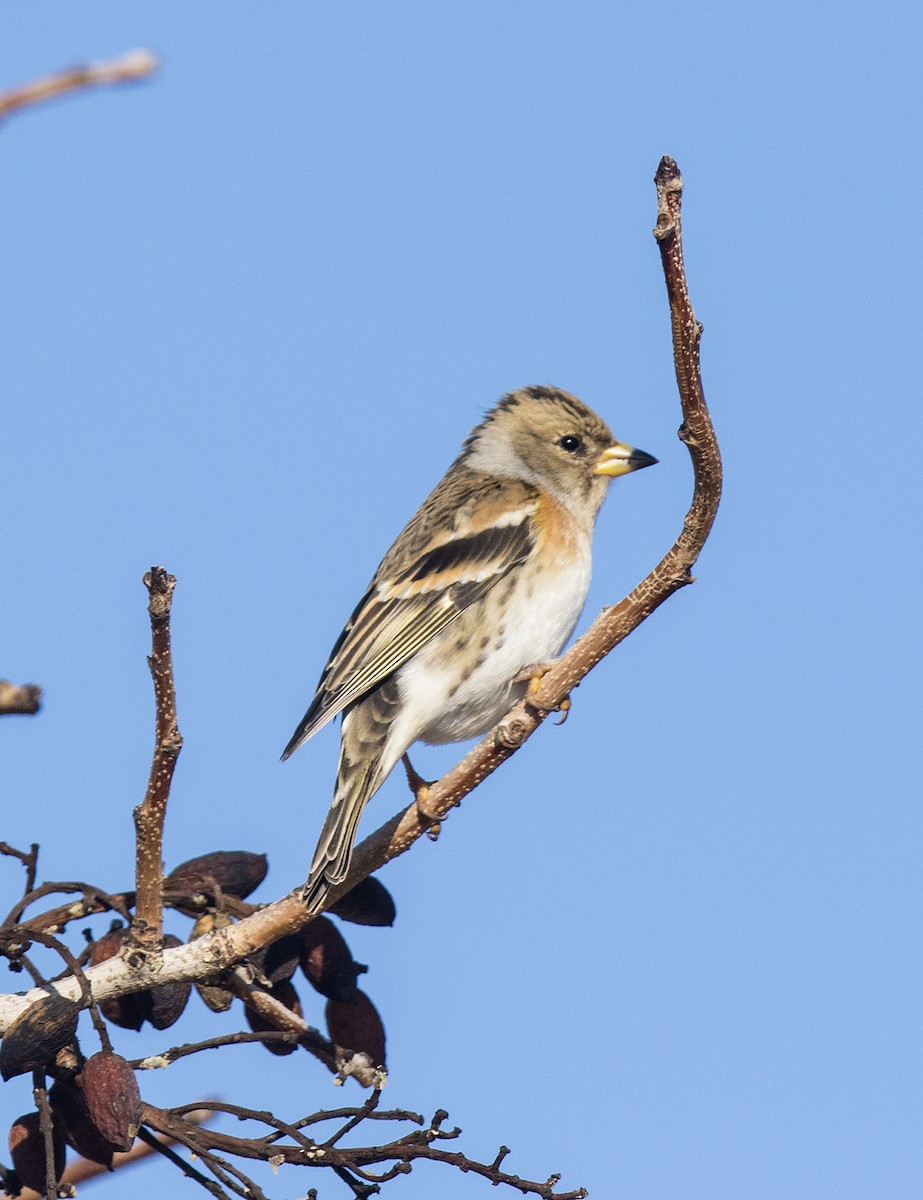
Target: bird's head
[550,438]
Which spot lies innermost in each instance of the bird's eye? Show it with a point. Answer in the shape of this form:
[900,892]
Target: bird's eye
[570,443]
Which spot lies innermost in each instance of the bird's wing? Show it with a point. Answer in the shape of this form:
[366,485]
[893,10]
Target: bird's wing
[418,590]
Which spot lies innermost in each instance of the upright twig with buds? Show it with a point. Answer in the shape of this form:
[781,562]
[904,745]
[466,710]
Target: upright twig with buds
[147,926]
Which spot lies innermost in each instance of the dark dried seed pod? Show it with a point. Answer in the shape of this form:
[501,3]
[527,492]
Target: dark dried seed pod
[27,1150]
[285,993]
[278,960]
[357,1027]
[70,1113]
[166,1001]
[218,999]
[109,945]
[237,872]
[37,1035]
[128,1012]
[368,903]
[113,1102]
[327,962]
[161,1005]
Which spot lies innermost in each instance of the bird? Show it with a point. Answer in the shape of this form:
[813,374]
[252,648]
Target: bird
[478,594]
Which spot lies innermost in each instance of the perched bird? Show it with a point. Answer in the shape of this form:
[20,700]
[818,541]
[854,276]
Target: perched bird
[483,587]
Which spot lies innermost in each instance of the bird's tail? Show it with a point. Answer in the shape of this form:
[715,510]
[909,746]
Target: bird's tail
[366,758]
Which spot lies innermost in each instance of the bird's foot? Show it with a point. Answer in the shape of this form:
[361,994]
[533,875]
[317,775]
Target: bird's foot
[420,788]
[534,674]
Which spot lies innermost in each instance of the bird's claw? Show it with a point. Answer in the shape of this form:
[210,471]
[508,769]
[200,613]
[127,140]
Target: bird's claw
[420,788]
[535,674]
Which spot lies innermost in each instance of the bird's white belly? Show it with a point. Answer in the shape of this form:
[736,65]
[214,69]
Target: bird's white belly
[465,680]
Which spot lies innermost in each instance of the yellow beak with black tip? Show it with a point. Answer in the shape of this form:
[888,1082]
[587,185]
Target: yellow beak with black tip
[620,459]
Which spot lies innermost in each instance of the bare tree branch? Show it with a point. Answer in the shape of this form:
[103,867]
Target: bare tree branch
[354,1161]
[93,900]
[134,65]
[147,926]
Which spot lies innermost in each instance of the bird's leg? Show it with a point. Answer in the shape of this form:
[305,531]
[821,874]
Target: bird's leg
[420,788]
[534,674]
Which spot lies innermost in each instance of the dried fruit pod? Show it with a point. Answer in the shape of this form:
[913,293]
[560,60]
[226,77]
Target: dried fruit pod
[37,1035]
[237,872]
[285,993]
[161,1005]
[368,903]
[113,1102]
[109,945]
[357,1027]
[128,1012]
[27,1150]
[278,960]
[70,1114]
[327,962]
[218,999]
[166,1001]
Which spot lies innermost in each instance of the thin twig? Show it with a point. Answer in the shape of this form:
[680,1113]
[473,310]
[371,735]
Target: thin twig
[147,927]
[275,1012]
[18,937]
[136,64]
[155,1145]
[23,698]
[242,1113]
[46,1124]
[28,858]
[166,1057]
[354,1160]
[82,1169]
[94,900]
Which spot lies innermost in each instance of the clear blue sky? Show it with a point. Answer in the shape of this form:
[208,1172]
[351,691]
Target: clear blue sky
[252,307]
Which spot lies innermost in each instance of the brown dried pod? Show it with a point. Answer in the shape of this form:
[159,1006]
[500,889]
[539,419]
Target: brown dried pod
[128,1012]
[166,1001]
[237,872]
[37,1035]
[113,1102]
[27,1150]
[327,962]
[161,1005]
[70,1113]
[218,999]
[368,903]
[278,960]
[357,1027]
[285,993]
[109,945]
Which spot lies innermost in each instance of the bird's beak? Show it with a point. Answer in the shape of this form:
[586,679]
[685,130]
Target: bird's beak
[619,459]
